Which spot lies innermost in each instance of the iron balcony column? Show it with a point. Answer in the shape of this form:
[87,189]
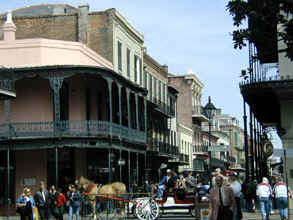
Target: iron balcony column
[145,117]
[210,155]
[56,84]
[251,146]
[110,165]
[56,167]
[259,149]
[245,141]
[120,110]
[255,146]
[136,111]
[137,167]
[145,167]
[7,108]
[120,167]
[8,176]
[129,172]
[109,81]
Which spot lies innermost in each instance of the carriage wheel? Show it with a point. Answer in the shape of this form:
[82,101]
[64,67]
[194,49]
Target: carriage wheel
[147,209]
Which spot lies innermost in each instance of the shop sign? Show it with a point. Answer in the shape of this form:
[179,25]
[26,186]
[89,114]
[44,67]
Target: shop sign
[204,214]
[220,148]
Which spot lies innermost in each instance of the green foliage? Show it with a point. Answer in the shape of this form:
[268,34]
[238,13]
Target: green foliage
[263,17]
[239,10]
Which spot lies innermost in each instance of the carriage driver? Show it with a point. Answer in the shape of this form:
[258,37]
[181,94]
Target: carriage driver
[167,181]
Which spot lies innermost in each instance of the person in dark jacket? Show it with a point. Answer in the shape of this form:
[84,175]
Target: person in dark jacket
[42,201]
[74,203]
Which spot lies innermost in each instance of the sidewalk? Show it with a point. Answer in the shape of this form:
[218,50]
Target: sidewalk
[257,216]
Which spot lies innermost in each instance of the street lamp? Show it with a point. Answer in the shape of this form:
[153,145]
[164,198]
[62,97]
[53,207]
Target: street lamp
[210,111]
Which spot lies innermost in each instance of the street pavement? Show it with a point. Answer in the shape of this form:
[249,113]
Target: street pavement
[171,216]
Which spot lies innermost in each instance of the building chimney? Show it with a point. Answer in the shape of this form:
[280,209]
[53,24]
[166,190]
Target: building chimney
[9,28]
[83,23]
[165,68]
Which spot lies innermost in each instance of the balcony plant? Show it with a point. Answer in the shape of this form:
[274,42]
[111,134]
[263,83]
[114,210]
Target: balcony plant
[263,22]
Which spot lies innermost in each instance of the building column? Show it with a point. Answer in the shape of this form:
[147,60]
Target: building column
[136,111]
[128,107]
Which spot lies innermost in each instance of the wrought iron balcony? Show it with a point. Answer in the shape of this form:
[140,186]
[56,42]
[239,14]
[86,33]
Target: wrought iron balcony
[262,88]
[268,72]
[7,88]
[70,129]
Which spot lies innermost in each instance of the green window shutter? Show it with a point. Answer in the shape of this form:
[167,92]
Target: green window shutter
[140,72]
[128,63]
[151,87]
[119,56]
[135,68]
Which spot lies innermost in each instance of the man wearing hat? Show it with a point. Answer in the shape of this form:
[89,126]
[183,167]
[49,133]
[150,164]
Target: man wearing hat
[165,182]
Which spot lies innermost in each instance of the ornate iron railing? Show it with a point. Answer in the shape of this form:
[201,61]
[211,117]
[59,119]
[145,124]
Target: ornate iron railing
[7,84]
[89,128]
[163,148]
[262,73]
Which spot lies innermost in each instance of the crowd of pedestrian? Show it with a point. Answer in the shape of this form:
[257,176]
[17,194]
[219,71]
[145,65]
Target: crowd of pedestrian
[229,194]
[48,204]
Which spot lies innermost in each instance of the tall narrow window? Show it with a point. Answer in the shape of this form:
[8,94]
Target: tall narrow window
[164,93]
[135,67]
[119,56]
[151,87]
[160,91]
[155,90]
[145,81]
[128,63]
[140,72]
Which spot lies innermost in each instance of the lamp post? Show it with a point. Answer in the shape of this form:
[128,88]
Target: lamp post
[210,110]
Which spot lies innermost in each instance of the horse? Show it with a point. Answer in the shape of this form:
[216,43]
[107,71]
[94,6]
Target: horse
[115,189]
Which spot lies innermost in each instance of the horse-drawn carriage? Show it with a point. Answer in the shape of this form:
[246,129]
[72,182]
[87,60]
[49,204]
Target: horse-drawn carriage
[174,200]
[109,202]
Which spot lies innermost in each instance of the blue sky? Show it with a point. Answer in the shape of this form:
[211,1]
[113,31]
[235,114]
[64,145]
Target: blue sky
[184,34]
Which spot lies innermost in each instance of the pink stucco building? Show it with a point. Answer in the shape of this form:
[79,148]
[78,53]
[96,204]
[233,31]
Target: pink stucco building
[73,115]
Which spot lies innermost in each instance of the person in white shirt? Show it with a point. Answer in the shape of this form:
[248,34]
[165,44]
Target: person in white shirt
[281,195]
[236,188]
[264,191]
